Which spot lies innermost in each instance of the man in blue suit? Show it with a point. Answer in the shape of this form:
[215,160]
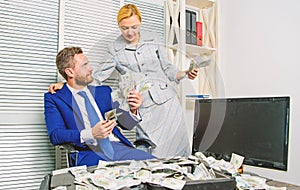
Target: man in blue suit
[68,121]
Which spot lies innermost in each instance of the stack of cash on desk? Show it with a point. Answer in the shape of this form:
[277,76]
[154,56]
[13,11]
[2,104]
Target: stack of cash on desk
[192,173]
[172,173]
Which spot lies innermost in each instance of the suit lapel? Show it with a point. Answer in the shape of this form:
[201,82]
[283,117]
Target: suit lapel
[99,96]
[66,96]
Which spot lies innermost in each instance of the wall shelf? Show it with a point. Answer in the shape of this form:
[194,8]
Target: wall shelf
[194,49]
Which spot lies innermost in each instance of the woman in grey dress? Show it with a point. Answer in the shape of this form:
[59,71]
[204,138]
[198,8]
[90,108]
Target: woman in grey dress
[140,62]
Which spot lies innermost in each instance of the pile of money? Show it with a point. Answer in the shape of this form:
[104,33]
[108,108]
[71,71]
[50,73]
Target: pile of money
[172,173]
[222,165]
[246,181]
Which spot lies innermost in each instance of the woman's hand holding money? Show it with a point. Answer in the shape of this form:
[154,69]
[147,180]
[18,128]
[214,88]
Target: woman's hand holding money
[193,73]
[134,100]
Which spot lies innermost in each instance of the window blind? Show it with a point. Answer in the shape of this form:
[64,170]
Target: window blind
[28,46]
[92,28]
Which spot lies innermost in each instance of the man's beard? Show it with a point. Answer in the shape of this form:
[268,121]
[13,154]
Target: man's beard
[84,82]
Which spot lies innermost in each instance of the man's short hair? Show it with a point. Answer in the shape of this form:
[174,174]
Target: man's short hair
[64,59]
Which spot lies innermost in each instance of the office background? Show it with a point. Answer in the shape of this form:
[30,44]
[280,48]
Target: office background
[257,56]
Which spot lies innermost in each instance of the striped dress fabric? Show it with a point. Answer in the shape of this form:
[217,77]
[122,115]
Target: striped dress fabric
[162,115]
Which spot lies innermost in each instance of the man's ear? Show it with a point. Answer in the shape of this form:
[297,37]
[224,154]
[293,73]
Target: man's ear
[69,72]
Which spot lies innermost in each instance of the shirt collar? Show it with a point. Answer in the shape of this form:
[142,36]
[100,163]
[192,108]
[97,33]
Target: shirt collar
[75,91]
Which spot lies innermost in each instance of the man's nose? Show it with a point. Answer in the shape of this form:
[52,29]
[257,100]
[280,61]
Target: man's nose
[91,68]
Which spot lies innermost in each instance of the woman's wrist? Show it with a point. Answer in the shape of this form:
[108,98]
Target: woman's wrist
[181,74]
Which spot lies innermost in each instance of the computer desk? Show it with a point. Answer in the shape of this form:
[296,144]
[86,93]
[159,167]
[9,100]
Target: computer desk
[67,180]
[282,184]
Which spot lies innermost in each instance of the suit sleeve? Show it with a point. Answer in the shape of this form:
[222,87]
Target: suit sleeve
[125,120]
[107,66]
[57,124]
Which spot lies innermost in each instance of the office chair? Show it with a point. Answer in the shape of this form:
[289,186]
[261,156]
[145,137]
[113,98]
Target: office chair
[70,150]
[145,144]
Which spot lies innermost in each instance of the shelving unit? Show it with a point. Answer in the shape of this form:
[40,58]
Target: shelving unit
[202,5]
[181,53]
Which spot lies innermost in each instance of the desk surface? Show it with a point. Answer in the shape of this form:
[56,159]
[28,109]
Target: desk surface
[67,180]
[281,184]
[63,180]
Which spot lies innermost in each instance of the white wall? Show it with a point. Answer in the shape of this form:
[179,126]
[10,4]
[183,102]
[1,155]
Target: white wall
[259,46]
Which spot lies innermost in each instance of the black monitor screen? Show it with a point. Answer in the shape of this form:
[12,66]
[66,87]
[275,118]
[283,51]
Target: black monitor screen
[256,128]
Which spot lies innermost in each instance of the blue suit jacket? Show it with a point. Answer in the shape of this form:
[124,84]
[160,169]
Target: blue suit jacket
[64,120]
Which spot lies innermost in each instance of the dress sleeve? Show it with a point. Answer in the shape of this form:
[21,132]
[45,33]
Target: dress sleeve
[107,66]
[169,69]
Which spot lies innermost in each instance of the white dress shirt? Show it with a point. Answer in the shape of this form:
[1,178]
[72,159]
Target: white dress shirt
[86,134]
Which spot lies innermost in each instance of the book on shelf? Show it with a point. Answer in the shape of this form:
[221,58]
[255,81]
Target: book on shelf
[188,29]
[193,28]
[190,19]
[199,34]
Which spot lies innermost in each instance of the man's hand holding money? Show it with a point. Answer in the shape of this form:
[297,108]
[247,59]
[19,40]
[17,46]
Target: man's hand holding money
[103,129]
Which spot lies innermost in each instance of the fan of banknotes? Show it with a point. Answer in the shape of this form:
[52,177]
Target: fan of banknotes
[200,61]
[112,114]
[133,81]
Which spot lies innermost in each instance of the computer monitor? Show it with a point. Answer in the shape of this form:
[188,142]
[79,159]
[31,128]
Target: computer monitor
[256,128]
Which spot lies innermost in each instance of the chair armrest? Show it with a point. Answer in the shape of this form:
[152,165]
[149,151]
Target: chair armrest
[68,147]
[146,142]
